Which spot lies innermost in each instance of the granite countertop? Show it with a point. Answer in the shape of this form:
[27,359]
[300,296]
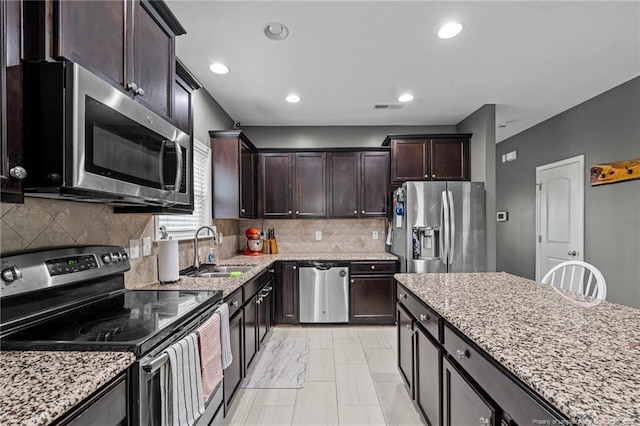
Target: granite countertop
[38,387]
[229,285]
[585,360]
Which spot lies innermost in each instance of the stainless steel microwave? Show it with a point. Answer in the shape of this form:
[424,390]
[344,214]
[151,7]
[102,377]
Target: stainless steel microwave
[86,140]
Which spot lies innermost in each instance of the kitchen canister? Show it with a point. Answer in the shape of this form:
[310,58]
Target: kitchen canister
[168,261]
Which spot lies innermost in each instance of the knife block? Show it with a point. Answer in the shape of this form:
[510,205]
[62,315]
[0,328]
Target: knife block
[271,246]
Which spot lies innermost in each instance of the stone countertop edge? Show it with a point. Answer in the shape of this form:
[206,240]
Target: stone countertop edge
[37,387]
[584,360]
[229,285]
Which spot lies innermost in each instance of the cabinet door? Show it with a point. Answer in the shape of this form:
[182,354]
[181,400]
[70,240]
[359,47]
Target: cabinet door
[310,191]
[235,372]
[286,294]
[373,299]
[182,106]
[11,148]
[250,331]
[263,305]
[408,160]
[247,182]
[374,186]
[462,405]
[153,59]
[276,185]
[343,184]
[449,159]
[405,347]
[93,34]
[428,377]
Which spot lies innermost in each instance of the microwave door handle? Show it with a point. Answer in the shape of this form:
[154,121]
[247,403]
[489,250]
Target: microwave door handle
[163,146]
[179,170]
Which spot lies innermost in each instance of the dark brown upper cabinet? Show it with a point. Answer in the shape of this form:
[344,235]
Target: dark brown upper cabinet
[275,185]
[130,43]
[429,157]
[310,183]
[234,169]
[358,184]
[11,148]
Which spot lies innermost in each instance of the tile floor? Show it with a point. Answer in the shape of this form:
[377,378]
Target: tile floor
[351,379]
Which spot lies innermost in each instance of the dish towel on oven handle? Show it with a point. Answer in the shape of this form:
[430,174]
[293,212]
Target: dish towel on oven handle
[210,357]
[225,335]
[181,383]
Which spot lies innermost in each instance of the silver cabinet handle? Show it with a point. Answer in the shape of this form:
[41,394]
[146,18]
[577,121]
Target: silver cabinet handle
[426,176]
[297,211]
[433,175]
[294,267]
[289,211]
[234,303]
[373,266]
[352,281]
[18,172]
[484,421]
[572,253]
[424,317]
[462,354]
[272,270]
[402,296]
[242,210]
[138,92]
[132,87]
[355,212]
[363,212]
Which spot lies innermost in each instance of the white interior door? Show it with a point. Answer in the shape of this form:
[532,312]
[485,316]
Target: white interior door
[560,213]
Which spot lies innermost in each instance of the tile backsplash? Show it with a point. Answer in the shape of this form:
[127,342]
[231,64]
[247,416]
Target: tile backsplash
[338,235]
[42,223]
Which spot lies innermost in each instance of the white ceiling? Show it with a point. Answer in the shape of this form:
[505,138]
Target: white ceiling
[532,59]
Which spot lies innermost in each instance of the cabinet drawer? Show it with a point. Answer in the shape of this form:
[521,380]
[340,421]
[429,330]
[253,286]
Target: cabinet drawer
[380,267]
[234,301]
[255,284]
[520,406]
[424,315]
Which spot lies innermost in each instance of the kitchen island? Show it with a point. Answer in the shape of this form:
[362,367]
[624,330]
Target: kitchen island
[583,360]
[39,387]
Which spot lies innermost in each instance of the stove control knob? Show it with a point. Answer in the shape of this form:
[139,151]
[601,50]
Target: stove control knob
[106,258]
[11,274]
[125,257]
[117,257]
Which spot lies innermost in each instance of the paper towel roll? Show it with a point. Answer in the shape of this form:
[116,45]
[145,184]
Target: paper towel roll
[168,261]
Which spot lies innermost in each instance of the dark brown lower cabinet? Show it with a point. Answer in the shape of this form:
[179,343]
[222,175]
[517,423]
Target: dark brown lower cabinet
[234,374]
[428,385]
[405,347]
[372,299]
[462,404]
[286,303]
[250,331]
[264,311]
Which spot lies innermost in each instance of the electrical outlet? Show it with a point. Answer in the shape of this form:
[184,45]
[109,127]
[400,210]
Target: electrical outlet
[374,235]
[134,249]
[146,246]
[318,235]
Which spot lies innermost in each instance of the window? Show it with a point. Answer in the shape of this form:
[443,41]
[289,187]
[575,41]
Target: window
[183,226]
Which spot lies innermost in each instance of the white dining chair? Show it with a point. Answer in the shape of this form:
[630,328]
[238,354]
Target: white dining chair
[578,277]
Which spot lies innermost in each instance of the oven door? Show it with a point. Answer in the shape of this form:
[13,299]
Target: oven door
[120,147]
[146,372]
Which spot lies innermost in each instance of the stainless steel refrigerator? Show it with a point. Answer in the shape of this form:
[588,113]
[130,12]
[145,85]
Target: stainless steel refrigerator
[440,227]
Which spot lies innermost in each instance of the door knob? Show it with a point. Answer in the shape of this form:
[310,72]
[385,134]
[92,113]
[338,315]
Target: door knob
[573,253]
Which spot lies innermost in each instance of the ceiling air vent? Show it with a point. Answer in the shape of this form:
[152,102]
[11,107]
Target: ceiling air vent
[388,106]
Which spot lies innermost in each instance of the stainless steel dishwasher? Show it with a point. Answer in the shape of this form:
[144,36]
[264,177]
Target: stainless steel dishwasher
[324,292]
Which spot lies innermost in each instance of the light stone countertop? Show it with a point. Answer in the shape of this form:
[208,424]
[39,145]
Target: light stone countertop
[37,387]
[583,360]
[229,285]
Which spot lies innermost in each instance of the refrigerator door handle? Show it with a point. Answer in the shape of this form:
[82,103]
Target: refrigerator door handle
[452,223]
[445,226]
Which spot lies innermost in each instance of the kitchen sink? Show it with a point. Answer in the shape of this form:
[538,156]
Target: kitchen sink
[224,271]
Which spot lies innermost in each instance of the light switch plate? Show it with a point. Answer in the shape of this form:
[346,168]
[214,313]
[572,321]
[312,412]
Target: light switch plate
[134,249]
[318,235]
[374,235]
[146,246]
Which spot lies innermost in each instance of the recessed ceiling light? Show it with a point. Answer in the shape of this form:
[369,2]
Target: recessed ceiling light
[276,31]
[292,99]
[219,68]
[450,30]
[405,98]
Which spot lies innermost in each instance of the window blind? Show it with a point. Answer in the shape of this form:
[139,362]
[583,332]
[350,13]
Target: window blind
[184,226]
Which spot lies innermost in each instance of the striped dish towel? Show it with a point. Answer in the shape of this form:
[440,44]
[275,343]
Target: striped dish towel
[225,338]
[210,357]
[181,384]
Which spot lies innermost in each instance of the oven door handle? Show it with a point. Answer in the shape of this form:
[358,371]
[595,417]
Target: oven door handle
[156,363]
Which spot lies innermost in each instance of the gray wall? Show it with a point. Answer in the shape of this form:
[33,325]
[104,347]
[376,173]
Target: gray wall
[482,123]
[331,136]
[208,115]
[605,129]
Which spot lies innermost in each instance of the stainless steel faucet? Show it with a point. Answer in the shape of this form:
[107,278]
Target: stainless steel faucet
[196,257]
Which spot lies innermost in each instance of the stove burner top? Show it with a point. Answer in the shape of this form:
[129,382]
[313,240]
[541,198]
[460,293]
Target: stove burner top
[115,328]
